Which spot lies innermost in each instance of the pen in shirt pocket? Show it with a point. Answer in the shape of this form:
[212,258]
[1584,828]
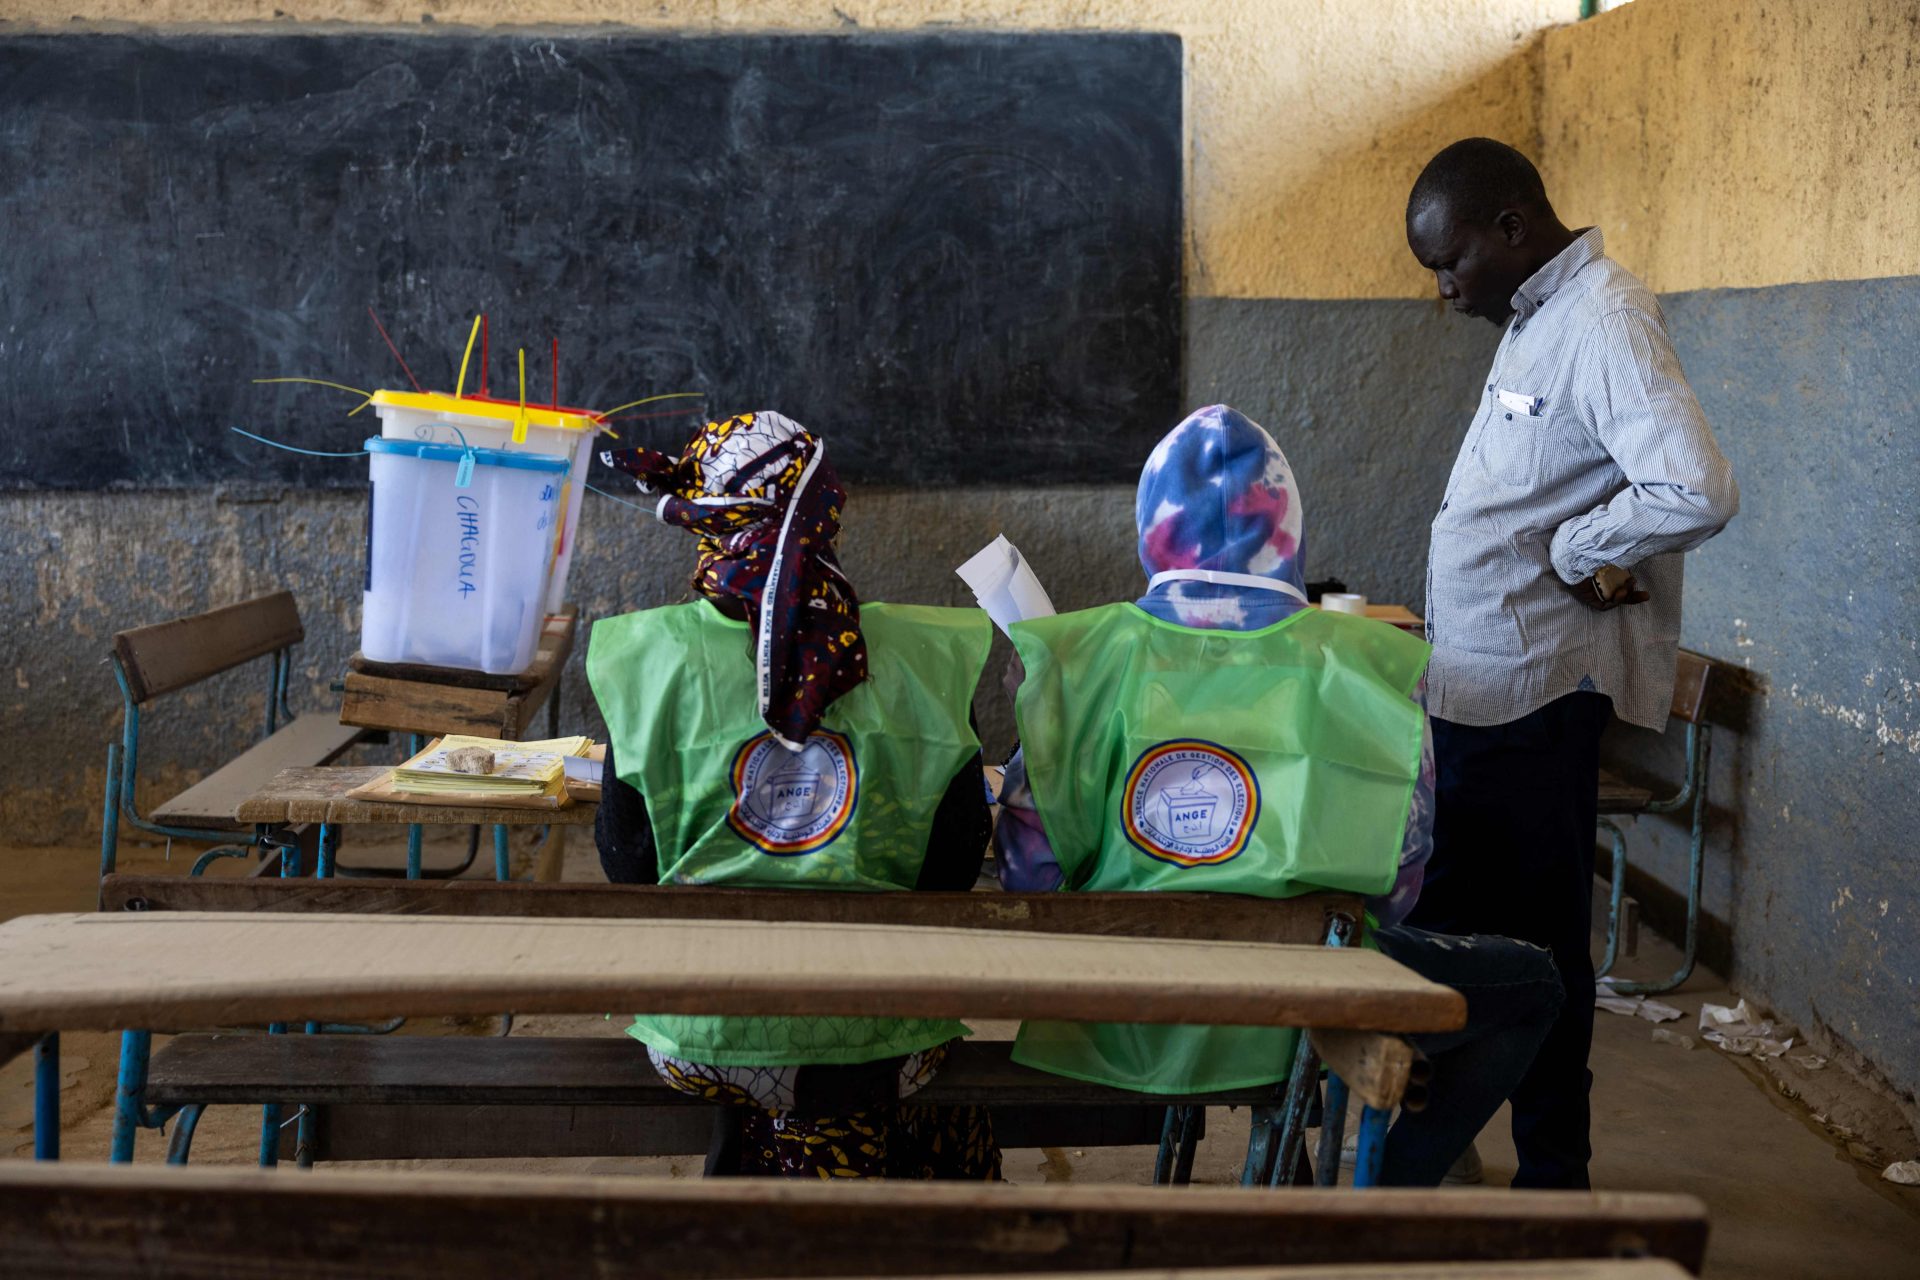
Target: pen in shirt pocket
[1517,403]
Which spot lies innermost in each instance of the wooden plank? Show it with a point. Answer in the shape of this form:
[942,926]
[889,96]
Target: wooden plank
[320,795]
[168,970]
[1398,615]
[1220,917]
[437,700]
[1617,795]
[1559,1269]
[171,655]
[1692,674]
[409,706]
[101,1220]
[373,1132]
[1374,1066]
[311,740]
[233,1068]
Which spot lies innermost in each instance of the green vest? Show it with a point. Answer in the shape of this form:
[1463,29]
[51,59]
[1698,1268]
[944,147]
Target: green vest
[729,805]
[1271,763]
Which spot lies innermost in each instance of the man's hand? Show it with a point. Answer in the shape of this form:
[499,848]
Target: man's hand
[1609,588]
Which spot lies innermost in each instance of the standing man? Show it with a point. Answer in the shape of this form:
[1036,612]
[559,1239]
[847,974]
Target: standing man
[1553,586]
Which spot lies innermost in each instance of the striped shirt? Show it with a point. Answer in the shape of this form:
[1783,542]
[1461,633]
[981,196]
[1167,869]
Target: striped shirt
[1588,448]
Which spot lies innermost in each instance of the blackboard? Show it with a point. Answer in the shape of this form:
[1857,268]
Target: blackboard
[958,257]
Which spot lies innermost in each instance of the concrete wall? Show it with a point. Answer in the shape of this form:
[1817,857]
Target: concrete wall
[1306,124]
[1757,163]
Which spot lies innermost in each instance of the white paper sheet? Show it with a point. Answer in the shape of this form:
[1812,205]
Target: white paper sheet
[1004,584]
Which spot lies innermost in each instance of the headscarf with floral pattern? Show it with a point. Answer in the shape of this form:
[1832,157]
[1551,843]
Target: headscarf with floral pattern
[759,492]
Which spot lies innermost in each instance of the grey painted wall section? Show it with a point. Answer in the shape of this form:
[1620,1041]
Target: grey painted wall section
[1813,861]
[1369,399]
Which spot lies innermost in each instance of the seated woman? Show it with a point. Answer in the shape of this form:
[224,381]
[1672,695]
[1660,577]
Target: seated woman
[776,734]
[1218,735]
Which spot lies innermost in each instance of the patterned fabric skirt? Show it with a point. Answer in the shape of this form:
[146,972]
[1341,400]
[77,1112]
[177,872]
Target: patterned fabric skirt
[891,1138]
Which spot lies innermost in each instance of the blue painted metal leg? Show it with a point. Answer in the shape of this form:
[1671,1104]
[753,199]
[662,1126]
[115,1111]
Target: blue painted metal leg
[303,1128]
[416,743]
[110,816]
[132,1086]
[180,1145]
[1617,898]
[1179,1140]
[1373,1147]
[329,849]
[270,1117]
[1696,791]
[46,1097]
[211,856]
[1333,1126]
[1301,1087]
[1190,1118]
[1169,1142]
[1266,1121]
[502,864]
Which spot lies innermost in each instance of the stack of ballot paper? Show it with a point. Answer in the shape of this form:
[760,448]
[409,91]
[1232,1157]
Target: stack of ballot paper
[1005,584]
[520,769]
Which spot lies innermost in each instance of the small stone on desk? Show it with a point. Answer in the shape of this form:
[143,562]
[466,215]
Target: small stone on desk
[470,760]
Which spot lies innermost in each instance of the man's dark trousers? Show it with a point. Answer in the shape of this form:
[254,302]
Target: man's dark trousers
[1513,838]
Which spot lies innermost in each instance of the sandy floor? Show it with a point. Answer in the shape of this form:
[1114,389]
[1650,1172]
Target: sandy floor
[1786,1198]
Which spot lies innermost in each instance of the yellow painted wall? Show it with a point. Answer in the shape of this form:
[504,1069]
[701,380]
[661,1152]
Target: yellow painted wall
[1307,119]
[1724,144]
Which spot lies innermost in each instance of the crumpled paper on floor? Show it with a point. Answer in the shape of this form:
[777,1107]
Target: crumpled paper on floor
[1904,1172]
[1605,997]
[1663,1036]
[1743,1032]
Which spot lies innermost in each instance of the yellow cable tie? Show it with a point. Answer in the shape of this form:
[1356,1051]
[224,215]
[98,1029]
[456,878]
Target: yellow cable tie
[337,386]
[460,387]
[520,419]
[634,404]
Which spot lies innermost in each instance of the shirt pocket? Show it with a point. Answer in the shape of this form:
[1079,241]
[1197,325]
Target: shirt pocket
[1513,444]
[1479,584]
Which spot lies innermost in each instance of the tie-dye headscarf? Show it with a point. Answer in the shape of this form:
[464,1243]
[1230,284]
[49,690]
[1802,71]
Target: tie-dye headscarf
[759,492]
[1217,495]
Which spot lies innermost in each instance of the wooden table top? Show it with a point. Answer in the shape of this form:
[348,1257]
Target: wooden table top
[320,795]
[171,969]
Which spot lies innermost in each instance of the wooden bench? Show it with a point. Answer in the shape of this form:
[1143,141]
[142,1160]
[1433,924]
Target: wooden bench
[187,968]
[1693,679]
[164,658]
[163,1223]
[416,1097]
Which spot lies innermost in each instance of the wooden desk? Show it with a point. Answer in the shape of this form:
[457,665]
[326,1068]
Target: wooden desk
[320,795]
[1398,615]
[430,700]
[173,969]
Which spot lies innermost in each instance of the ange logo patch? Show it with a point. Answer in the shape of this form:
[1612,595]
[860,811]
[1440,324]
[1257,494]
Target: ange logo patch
[1190,802]
[789,803]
